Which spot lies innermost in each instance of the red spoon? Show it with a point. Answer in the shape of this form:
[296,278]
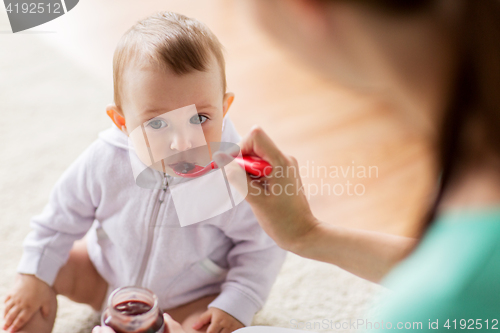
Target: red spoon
[254,166]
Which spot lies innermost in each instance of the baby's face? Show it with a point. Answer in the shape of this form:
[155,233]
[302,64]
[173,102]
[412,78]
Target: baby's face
[167,115]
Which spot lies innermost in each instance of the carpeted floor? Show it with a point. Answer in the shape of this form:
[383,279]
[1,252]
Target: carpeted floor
[50,111]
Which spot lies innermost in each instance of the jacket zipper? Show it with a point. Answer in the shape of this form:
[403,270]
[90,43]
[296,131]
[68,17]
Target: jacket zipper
[160,197]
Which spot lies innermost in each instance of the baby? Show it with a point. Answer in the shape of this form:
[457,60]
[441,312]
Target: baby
[211,276]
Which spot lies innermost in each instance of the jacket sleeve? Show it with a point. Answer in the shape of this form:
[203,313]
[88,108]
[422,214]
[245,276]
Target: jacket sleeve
[254,262]
[67,217]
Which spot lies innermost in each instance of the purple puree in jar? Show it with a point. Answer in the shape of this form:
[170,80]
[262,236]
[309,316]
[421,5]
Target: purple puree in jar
[132,308]
[135,308]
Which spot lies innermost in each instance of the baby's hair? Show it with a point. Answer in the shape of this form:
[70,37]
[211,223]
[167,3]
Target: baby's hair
[168,41]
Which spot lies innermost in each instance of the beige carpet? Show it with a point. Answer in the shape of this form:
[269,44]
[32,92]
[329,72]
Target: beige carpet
[50,111]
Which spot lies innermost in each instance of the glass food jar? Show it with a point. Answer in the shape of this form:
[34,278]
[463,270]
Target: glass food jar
[133,310]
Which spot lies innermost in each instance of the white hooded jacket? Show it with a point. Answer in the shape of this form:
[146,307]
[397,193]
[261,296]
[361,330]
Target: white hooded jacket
[134,236]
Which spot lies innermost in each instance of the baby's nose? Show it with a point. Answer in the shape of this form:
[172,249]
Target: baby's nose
[181,143]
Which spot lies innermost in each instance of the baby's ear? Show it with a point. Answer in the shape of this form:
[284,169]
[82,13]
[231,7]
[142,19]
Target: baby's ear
[116,116]
[228,100]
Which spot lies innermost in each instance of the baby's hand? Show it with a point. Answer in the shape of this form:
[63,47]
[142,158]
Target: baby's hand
[220,321]
[29,295]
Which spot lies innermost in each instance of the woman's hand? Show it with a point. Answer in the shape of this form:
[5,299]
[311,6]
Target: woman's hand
[102,329]
[171,326]
[278,200]
[281,207]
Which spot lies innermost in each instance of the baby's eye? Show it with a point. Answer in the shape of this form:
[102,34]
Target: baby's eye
[157,124]
[198,119]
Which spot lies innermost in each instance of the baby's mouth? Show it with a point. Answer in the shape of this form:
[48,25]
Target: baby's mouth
[183,168]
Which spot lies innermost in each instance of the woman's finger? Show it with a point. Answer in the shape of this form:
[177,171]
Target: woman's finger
[258,143]
[171,325]
[278,200]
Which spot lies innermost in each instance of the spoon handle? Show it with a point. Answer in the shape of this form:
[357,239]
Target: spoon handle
[254,166]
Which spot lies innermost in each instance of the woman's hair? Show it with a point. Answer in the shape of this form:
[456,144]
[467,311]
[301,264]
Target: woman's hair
[472,118]
[472,115]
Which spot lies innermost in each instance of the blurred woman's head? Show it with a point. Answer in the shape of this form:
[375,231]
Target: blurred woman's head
[405,49]
[437,60]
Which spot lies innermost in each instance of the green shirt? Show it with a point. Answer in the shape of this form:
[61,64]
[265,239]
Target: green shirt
[454,274]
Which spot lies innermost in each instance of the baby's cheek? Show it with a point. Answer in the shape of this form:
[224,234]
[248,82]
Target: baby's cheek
[213,133]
